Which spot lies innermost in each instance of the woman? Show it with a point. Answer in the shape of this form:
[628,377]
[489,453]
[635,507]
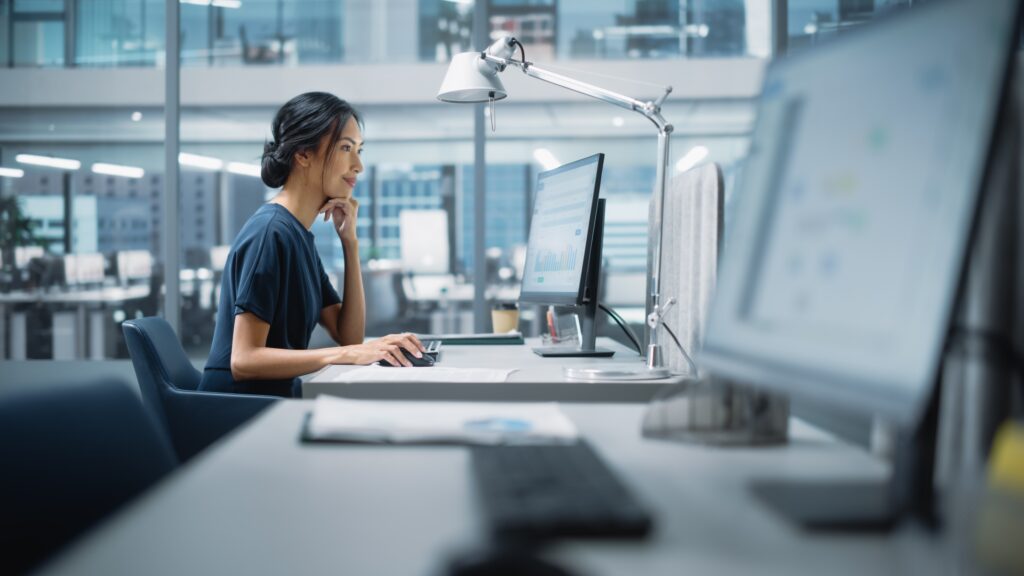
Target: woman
[274,289]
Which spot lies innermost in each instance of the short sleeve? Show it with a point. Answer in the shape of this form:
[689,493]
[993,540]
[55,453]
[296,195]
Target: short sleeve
[328,295]
[257,281]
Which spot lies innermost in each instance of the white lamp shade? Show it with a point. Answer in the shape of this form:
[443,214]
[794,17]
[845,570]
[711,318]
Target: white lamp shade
[470,79]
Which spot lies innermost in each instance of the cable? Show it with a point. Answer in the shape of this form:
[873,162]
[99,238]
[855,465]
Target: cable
[522,50]
[625,327]
[693,367]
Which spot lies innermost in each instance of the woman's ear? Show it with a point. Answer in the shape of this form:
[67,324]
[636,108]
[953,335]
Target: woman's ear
[303,158]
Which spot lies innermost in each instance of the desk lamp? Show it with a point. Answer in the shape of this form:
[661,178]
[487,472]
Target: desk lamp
[472,78]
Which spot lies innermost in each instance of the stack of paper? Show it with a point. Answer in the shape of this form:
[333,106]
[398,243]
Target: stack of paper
[438,422]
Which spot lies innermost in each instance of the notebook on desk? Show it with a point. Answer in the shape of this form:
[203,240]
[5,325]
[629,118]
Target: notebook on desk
[475,339]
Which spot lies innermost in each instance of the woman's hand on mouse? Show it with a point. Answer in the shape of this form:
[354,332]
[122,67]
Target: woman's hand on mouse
[388,348]
[406,340]
[369,353]
[343,213]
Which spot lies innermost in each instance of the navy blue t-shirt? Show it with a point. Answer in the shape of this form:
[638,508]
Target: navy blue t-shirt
[274,272]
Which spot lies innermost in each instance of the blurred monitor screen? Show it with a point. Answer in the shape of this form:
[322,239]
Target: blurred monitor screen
[424,241]
[134,265]
[23,254]
[218,257]
[854,208]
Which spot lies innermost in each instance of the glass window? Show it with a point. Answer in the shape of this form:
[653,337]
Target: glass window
[810,21]
[661,29]
[39,6]
[38,43]
[445,29]
[127,33]
[5,30]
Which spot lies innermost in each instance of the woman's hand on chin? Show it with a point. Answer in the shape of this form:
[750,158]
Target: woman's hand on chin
[343,213]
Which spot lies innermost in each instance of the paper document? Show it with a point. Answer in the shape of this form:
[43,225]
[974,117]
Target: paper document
[375,373]
[438,422]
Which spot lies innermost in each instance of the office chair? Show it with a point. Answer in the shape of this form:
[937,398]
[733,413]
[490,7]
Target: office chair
[169,384]
[71,455]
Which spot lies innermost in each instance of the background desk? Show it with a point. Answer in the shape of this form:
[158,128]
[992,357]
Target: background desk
[535,379]
[262,503]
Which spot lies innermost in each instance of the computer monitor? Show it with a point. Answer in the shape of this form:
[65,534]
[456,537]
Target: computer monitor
[423,240]
[563,253]
[855,209]
[134,265]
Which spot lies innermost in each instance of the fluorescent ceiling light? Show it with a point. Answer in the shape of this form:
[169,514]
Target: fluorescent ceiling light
[49,161]
[197,161]
[546,159]
[692,158]
[243,168]
[12,172]
[118,170]
[217,3]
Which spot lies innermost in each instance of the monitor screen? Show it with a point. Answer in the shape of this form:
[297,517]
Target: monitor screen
[561,231]
[423,240]
[853,212]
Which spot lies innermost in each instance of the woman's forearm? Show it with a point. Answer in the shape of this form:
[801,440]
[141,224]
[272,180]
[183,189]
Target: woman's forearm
[264,363]
[351,327]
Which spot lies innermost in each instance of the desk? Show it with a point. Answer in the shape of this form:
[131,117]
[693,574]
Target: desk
[69,327]
[535,379]
[262,503]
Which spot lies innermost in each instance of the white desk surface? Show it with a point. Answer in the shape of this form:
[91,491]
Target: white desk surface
[535,379]
[260,502]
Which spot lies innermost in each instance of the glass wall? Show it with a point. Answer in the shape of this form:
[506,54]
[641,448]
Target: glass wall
[300,32]
[80,248]
[811,21]
[36,32]
[419,158]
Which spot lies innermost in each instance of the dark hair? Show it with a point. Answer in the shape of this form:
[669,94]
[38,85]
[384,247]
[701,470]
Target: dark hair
[300,125]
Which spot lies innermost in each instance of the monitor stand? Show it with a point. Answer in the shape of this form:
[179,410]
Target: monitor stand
[866,506]
[588,324]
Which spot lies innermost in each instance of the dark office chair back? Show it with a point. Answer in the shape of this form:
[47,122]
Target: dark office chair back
[71,454]
[169,384]
[159,361]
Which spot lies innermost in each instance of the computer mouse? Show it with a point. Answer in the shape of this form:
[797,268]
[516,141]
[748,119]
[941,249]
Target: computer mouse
[422,362]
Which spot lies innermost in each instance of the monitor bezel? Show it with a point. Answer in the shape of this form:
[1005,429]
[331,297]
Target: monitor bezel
[565,298]
[855,394]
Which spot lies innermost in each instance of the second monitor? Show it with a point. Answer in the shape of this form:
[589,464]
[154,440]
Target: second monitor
[563,254]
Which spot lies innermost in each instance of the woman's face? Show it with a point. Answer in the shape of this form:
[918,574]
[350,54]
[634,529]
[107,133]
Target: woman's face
[344,166]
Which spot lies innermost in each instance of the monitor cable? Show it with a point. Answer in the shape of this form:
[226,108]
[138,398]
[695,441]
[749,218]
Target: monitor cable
[625,327]
[693,366]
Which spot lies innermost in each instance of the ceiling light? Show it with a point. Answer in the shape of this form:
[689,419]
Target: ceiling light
[49,161]
[618,121]
[136,116]
[12,172]
[197,161]
[243,168]
[118,170]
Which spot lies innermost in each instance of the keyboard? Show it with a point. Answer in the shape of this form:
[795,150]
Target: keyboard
[551,491]
[433,348]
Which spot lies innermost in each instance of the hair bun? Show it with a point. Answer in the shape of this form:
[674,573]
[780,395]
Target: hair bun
[269,147]
[273,171]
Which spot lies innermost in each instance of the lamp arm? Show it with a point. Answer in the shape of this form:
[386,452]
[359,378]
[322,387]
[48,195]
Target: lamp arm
[652,111]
